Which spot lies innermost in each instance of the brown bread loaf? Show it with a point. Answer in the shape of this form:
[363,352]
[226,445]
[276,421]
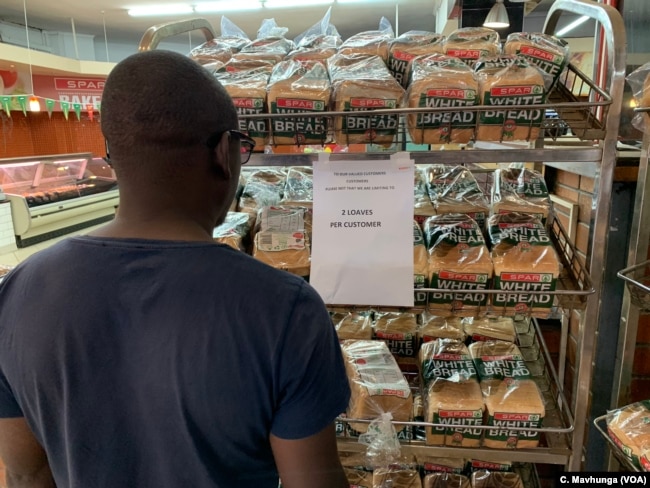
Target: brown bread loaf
[629,428]
[377,385]
[353,325]
[367,43]
[520,190]
[490,327]
[247,88]
[403,49]
[446,480]
[436,327]
[459,264]
[472,43]
[211,51]
[362,84]
[296,87]
[525,261]
[396,478]
[510,80]
[439,81]
[495,479]
[547,52]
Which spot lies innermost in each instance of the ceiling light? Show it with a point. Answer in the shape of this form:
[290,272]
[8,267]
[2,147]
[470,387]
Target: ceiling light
[295,3]
[155,10]
[572,25]
[497,18]
[227,6]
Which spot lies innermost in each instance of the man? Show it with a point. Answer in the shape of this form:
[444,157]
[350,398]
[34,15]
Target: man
[145,355]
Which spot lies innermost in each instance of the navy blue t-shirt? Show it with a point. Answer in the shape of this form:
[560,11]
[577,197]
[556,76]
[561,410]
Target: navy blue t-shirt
[164,364]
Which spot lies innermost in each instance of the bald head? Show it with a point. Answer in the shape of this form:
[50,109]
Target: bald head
[155,102]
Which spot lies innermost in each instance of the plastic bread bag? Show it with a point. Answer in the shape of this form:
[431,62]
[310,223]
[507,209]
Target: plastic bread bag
[232,36]
[396,477]
[320,35]
[243,62]
[547,52]
[629,428]
[441,327]
[495,479]
[460,266]
[370,43]
[526,265]
[441,81]
[406,47]
[398,331]
[296,87]
[496,361]
[362,84]
[247,88]
[446,480]
[420,258]
[358,477]
[299,186]
[520,190]
[639,81]
[234,230]
[458,405]
[377,385]
[456,190]
[422,206]
[471,43]
[281,240]
[263,188]
[478,464]
[510,80]
[210,52]
[447,359]
[353,325]
[490,327]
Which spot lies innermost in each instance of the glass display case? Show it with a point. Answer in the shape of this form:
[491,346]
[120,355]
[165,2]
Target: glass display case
[54,195]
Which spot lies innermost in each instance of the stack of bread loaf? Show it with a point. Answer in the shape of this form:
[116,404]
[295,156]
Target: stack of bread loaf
[525,261]
[409,46]
[452,393]
[512,399]
[459,264]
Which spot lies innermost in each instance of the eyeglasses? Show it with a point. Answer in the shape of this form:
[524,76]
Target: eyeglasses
[246,143]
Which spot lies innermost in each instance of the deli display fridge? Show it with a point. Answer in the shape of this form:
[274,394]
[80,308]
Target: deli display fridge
[55,195]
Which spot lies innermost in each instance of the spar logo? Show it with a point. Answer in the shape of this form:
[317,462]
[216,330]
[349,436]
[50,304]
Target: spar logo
[534,52]
[402,56]
[300,103]
[527,277]
[470,277]
[450,93]
[513,91]
[372,103]
[459,414]
[465,53]
[248,102]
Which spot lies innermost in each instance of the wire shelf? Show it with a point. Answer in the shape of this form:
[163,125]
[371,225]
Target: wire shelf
[558,424]
[637,280]
[575,106]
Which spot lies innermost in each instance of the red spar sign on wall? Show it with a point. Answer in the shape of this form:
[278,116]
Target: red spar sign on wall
[84,91]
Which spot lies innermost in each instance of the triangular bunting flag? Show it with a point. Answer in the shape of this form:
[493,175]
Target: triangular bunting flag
[22,101]
[77,110]
[49,104]
[65,108]
[6,105]
[91,111]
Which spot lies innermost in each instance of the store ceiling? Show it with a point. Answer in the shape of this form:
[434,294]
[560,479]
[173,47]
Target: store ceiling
[109,18]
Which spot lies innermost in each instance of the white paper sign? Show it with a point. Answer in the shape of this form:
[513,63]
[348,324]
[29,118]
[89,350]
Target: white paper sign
[362,252]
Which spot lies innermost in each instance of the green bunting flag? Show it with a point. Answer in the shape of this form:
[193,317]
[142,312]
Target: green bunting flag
[65,108]
[22,101]
[77,110]
[6,105]
[49,103]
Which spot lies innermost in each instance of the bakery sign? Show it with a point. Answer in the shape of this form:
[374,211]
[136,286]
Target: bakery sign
[71,89]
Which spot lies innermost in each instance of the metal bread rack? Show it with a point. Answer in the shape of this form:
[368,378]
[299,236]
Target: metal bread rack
[637,277]
[554,447]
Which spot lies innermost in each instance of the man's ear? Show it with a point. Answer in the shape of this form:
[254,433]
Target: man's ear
[221,156]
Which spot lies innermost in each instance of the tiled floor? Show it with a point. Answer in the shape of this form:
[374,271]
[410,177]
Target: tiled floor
[15,257]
